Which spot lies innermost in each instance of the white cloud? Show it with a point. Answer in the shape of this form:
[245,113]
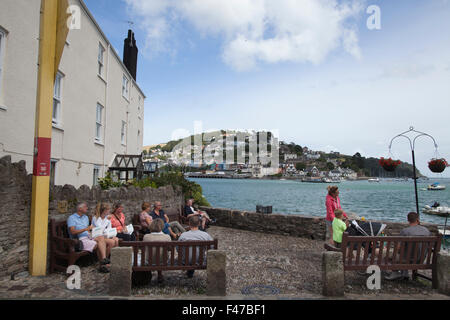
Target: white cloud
[255,31]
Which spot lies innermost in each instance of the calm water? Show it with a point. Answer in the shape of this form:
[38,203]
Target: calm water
[387,200]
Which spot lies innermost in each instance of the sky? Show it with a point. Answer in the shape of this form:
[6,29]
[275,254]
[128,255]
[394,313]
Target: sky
[311,69]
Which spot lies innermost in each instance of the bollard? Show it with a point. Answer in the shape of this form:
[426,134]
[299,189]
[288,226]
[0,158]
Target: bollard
[443,273]
[216,276]
[332,274]
[121,271]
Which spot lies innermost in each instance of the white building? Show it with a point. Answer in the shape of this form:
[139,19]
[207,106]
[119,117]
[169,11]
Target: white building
[290,156]
[98,106]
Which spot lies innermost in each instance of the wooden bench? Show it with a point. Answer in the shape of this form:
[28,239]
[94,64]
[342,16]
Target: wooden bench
[62,247]
[390,253]
[170,255]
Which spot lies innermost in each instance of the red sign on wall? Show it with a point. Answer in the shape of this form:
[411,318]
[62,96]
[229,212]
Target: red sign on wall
[41,161]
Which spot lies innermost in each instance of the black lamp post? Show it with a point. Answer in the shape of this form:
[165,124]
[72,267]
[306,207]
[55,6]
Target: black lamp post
[412,144]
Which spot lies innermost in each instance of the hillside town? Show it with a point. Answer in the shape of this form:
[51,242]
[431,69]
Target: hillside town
[295,162]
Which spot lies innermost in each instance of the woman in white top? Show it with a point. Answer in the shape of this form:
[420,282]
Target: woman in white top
[102,219]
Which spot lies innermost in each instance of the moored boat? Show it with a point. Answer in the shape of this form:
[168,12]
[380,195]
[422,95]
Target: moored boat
[437,211]
[436,187]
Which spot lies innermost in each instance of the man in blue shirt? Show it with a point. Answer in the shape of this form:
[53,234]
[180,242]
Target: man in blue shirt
[78,225]
[158,213]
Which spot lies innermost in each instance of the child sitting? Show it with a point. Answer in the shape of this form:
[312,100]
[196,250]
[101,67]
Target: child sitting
[339,227]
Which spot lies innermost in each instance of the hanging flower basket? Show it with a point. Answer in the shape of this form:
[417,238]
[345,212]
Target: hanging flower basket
[437,165]
[389,164]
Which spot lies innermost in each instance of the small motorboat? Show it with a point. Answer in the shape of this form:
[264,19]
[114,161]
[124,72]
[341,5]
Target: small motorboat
[436,187]
[374,180]
[437,211]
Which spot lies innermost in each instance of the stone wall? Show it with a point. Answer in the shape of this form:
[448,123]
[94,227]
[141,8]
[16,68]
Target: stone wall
[15,204]
[287,224]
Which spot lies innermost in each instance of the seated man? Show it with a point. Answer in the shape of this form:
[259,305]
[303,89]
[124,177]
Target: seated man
[414,230]
[189,212]
[194,234]
[79,227]
[156,228]
[158,213]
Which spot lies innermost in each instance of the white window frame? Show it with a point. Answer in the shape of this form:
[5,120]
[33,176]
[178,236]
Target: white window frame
[53,162]
[101,59]
[123,133]
[125,87]
[95,179]
[2,54]
[99,123]
[57,98]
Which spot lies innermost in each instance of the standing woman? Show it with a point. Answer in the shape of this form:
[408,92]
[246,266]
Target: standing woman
[118,222]
[332,203]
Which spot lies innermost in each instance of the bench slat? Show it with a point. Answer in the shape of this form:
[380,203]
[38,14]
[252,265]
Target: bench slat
[157,257]
[388,248]
[380,253]
[358,253]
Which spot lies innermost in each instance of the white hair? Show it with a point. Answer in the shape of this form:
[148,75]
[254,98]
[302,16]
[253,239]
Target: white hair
[81,204]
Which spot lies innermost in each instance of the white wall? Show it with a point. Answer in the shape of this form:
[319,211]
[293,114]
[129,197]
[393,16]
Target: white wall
[73,143]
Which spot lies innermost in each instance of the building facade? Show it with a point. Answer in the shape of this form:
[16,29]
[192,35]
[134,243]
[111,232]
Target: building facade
[98,108]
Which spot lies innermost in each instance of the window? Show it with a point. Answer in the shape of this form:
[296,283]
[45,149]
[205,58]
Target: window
[56,116]
[2,49]
[53,171]
[125,85]
[123,133]
[96,175]
[101,52]
[99,123]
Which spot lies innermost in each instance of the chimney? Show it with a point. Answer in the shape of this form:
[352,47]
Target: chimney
[130,54]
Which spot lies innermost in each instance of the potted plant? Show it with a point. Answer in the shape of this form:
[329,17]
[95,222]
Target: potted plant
[437,165]
[389,164]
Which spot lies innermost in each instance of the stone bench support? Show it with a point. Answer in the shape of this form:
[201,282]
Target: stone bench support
[332,274]
[121,272]
[443,273]
[216,276]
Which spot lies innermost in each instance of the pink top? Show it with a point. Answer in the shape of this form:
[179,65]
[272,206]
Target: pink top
[143,219]
[119,224]
[332,204]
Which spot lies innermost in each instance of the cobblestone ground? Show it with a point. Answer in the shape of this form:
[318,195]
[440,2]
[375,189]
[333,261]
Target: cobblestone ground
[257,264]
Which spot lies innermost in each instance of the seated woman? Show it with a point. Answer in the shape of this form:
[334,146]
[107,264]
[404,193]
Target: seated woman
[118,222]
[102,219]
[157,235]
[145,219]
[189,212]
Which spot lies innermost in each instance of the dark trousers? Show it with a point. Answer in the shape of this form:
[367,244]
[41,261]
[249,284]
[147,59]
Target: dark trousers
[126,237]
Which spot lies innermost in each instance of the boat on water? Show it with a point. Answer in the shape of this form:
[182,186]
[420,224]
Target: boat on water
[436,187]
[437,210]
[374,180]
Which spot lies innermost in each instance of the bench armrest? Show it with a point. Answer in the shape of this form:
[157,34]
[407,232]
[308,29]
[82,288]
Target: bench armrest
[70,243]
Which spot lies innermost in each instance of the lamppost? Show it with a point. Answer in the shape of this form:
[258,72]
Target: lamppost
[412,144]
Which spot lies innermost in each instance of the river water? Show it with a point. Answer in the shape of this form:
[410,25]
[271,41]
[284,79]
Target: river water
[386,200]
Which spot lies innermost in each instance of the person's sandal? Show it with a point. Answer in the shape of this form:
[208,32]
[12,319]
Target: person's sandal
[103,269]
[105,261]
